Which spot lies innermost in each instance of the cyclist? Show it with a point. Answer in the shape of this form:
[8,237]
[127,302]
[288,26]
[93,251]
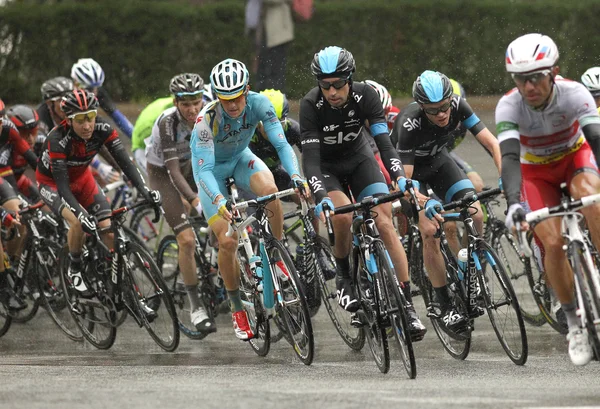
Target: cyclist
[65,180]
[422,131]
[145,122]
[51,115]
[549,133]
[169,170]
[26,120]
[8,297]
[591,80]
[220,150]
[88,74]
[335,151]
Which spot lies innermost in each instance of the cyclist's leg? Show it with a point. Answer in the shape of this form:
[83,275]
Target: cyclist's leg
[471,173]
[10,201]
[8,297]
[92,198]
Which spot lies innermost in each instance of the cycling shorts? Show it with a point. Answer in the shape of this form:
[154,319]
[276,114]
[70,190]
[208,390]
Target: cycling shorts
[462,163]
[541,183]
[447,180]
[85,189]
[175,212]
[241,167]
[360,172]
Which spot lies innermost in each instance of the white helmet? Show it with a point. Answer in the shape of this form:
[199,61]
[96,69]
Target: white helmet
[229,79]
[591,80]
[208,95]
[531,53]
[87,73]
[384,95]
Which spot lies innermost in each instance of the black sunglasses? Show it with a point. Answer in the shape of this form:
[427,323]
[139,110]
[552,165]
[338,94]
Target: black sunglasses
[533,78]
[435,111]
[339,84]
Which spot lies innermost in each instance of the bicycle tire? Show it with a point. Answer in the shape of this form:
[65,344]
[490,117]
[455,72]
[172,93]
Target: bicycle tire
[505,246]
[589,293]
[395,300]
[541,291]
[485,252]
[93,324]
[257,316]
[143,227]
[368,296]
[25,288]
[47,272]
[157,290]
[352,336]
[5,320]
[298,321]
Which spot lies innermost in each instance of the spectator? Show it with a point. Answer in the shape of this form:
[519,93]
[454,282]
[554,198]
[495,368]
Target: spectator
[272,24]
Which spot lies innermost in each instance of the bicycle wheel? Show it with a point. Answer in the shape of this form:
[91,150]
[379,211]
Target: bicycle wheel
[294,307]
[368,295]
[352,336]
[394,309]
[49,284]
[589,282]
[141,223]
[257,316]
[546,301]
[26,288]
[501,303]
[5,320]
[91,315]
[505,246]
[150,290]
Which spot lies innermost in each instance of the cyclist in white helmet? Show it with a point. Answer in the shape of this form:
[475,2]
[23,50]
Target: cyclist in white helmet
[220,150]
[88,74]
[591,80]
[549,133]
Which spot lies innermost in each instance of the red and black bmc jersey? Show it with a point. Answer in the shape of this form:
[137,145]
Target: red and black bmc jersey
[64,148]
[10,140]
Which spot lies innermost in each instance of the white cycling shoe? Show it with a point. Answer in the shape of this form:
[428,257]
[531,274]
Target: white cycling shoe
[580,350]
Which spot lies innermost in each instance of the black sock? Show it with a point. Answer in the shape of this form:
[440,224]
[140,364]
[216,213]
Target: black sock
[406,291]
[343,267]
[75,259]
[443,295]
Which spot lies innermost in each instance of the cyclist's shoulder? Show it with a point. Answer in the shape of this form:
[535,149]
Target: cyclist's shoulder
[411,118]
[509,101]
[313,98]
[102,127]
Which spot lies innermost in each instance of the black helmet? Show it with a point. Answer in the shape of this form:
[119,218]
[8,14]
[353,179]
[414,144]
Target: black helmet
[186,84]
[55,88]
[333,62]
[77,101]
[23,117]
[431,87]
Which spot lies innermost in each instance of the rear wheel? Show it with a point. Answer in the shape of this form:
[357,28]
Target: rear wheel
[501,304]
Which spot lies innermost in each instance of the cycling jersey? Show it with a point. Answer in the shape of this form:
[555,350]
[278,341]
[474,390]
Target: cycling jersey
[419,140]
[145,122]
[331,135]
[265,149]
[390,117]
[219,140]
[10,143]
[66,157]
[545,136]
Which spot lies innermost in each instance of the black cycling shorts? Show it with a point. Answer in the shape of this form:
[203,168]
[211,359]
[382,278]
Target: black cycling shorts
[462,163]
[447,180]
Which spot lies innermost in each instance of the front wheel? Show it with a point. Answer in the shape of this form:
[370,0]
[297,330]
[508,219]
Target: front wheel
[501,303]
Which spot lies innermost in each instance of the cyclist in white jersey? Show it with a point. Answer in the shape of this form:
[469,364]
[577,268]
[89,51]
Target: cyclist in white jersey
[549,133]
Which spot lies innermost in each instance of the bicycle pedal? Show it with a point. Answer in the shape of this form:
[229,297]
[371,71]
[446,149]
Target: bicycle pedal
[476,312]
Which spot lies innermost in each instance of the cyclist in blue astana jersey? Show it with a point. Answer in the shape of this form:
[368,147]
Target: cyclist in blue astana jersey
[220,150]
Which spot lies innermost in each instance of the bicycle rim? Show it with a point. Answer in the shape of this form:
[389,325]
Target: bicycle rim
[502,304]
[294,307]
[257,316]
[589,293]
[352,336]
[395,301]
[375,334]
[150,291]
[52,295]
[506,248]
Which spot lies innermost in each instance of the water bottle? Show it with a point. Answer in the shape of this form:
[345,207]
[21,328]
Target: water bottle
[463,259]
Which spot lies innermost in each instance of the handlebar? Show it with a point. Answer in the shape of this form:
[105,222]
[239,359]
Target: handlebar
[470,199]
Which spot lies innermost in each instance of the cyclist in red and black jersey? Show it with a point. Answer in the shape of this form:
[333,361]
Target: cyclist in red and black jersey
[65,179]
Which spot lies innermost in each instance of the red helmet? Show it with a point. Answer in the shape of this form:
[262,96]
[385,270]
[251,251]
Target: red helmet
[79,100]
[2,108]
[23,117]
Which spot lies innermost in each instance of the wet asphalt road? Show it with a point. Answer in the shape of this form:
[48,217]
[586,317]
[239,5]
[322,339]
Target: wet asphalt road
[41,368]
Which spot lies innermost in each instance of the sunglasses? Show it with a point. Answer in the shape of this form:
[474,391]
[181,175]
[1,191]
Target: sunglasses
[84,116]
[189,96]
[533,78]
[339,84]
[435,111]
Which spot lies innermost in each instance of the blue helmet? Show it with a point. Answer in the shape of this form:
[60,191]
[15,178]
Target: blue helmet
[333,62]
[431,87]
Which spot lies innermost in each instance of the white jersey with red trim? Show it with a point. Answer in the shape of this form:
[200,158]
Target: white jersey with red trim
[549,134]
